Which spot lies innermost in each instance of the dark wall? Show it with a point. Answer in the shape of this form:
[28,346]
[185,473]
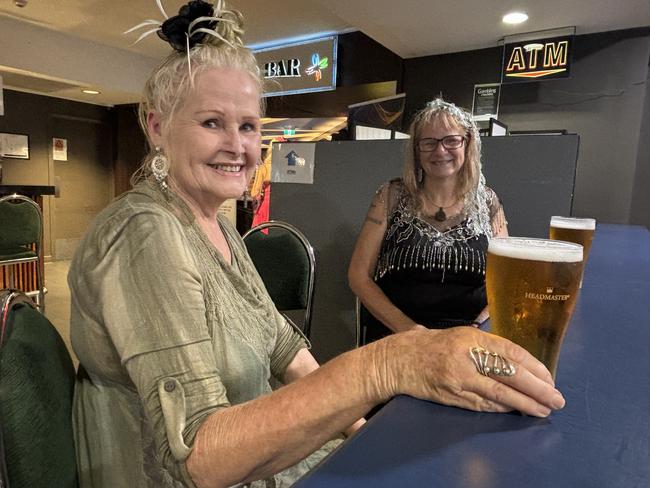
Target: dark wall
[131,146]
[363,60]
[452,76]
[604,102]
[85,180]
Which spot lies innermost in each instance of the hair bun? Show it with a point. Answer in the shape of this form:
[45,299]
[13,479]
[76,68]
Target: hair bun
[175,29]
[195,21]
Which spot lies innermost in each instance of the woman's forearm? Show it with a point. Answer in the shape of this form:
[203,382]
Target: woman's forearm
[378,304]
[259,438]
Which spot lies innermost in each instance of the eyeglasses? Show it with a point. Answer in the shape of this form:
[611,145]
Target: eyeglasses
[429,144]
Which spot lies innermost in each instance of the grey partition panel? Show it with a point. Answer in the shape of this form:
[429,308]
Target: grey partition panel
[534,176]
[330,213]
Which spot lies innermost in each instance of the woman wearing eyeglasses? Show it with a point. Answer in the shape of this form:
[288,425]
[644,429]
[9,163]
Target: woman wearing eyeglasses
[419,260]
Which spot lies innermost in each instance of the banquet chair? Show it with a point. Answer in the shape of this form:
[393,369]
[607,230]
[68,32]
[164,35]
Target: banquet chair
[21,240]
[285,261]
[361,315]
[36,387]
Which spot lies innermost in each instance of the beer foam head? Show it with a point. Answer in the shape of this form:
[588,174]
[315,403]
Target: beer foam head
[572,223]
[536,249]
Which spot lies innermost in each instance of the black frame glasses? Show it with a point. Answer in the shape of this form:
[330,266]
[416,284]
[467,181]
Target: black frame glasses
[429,144]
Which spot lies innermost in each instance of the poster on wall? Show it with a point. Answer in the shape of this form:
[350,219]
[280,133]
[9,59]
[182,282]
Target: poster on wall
[293,163]
[14,145]
[485,104]
[59,149]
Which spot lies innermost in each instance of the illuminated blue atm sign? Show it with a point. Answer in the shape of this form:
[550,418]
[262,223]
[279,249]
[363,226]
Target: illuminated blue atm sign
[303,67]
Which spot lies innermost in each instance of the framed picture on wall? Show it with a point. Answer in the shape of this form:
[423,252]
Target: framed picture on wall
[14,145]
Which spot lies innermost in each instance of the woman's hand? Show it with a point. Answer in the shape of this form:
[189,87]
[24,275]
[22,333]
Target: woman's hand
[436,365]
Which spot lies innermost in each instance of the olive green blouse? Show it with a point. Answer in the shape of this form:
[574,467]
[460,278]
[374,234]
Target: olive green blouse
[168,332]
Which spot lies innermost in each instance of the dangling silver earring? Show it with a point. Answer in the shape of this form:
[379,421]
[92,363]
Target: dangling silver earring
[419,176]
[160,168]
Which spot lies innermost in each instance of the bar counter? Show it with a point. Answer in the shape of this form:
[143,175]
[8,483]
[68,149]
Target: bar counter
[601,439]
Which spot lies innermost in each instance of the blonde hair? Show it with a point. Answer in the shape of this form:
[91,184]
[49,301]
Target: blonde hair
[173,80]
[450,117]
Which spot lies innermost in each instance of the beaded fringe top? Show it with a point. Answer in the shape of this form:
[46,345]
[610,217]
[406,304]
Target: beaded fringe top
[413,243]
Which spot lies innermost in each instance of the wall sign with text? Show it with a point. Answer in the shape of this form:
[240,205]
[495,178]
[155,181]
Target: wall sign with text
[485,104]
[303,67]
[293,162]
[537,60]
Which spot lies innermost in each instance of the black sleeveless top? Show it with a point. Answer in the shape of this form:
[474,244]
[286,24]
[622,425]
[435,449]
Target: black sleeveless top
[436,277]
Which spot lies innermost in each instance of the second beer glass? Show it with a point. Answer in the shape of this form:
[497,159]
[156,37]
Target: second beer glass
[580,231]
[532,287]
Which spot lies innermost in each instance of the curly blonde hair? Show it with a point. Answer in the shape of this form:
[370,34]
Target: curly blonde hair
[450,117]
[172,81]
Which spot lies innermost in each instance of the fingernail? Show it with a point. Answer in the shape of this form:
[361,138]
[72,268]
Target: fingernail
[558,401]
[543,411]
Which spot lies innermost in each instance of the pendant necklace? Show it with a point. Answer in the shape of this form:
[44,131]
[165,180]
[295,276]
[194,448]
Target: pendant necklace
[440,215]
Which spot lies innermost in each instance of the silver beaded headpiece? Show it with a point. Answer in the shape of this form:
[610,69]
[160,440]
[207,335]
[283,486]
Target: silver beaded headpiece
[463,117]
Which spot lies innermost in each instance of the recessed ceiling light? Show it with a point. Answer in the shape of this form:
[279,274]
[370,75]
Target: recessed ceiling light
[91,92]
[515,18]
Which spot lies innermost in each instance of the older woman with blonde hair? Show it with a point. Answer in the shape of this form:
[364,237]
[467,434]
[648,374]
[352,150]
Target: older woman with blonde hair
[177,334]
[419,260]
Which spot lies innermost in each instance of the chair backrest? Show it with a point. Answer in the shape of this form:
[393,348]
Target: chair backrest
[362,316]
[285,261]
[21,222]
[36,387]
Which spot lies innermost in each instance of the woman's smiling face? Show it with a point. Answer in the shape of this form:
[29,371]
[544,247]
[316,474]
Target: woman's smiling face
[213,142]
[441,162]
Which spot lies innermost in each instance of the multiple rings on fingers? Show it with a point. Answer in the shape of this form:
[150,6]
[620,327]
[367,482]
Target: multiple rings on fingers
[487,362]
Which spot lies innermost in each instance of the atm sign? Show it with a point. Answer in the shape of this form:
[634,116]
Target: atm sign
[537,60]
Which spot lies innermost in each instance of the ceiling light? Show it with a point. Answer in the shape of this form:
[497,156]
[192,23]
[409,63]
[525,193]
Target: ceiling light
[91,92]
[515,18]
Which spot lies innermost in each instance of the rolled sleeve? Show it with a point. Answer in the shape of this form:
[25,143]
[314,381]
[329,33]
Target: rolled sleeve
[289,341]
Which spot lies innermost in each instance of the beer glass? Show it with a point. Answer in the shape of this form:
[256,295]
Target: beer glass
[580,231]
[532,287]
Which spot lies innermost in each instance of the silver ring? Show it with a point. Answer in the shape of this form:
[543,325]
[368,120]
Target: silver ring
[499,366]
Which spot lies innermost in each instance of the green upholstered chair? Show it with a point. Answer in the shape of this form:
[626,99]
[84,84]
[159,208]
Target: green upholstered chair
[285,261]
[36,387]
[21,227]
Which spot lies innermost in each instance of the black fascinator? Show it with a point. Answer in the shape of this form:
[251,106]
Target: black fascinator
[193,17]
[195,20]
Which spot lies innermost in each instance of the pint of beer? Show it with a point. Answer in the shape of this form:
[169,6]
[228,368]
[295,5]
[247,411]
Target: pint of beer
[532,287]
[580,231]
